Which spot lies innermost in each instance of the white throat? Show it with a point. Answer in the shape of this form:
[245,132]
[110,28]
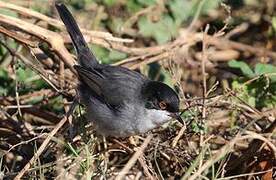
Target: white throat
[157,117]
[152,119]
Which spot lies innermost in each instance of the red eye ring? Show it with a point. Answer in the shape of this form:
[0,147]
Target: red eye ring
[162,105]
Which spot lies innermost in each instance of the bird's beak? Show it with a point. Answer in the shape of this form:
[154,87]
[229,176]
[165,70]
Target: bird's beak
[177,117]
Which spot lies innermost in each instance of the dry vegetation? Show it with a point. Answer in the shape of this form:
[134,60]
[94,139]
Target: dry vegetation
[229,109]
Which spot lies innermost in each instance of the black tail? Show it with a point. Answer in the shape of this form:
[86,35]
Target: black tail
[85,56]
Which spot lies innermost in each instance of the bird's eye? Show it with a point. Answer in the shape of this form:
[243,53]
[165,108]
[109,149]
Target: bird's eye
[162,105]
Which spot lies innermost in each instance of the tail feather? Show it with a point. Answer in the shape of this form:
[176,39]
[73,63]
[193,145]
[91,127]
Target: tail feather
[85,56]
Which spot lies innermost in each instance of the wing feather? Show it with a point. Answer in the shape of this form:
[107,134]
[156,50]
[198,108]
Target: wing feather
[115,85]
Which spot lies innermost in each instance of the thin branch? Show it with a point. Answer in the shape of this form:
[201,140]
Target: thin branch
[134,158]
[59,24]
[45,143]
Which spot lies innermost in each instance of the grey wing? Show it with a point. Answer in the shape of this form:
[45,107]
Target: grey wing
[114,84]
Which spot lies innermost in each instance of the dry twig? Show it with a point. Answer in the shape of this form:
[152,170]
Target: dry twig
[45,143]
[134,158]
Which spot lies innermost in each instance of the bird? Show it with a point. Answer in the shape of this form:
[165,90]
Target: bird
[120,102]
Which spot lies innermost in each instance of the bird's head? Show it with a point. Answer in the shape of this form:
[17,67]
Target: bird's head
[161,101]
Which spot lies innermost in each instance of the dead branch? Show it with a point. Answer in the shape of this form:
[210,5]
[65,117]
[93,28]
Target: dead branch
[59,24]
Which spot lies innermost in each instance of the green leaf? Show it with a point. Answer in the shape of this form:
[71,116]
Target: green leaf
[6,83]
[181,9]
[22,74]
[109,2]
[3,91]
[273,22]
[167,78]
[2,51]
[115,24]
[246,70]
[145,26]
[244,92]
[116,55]
[184,9]
[261,92]
[30,79]
[266,68]
[162,31]
[4,74]
[100,53]
[209,5]
[56,104]
[133,6]
[251,101]
[107,57]
[147,2]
